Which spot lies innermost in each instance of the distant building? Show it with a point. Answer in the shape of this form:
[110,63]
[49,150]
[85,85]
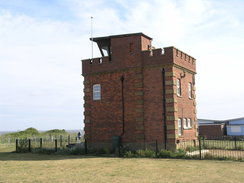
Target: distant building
[214,129]
[136,95]
[235,127]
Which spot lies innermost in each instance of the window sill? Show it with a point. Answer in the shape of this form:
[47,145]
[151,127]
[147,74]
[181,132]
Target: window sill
[188,128]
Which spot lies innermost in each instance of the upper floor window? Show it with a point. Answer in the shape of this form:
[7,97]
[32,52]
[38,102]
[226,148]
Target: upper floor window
[96,92]
[185,123]
[179,127]
[190,90]
[189,123]
[178,85]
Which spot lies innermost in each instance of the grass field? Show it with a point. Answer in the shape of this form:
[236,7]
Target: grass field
[58,168]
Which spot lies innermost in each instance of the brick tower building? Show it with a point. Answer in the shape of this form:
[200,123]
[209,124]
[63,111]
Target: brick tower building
[138,94]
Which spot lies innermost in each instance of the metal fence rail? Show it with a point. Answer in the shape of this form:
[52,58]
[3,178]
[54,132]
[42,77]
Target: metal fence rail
[202,148]
[47,143]
[215,149]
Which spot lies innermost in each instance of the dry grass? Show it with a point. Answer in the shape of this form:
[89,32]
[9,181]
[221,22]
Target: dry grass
[57,168]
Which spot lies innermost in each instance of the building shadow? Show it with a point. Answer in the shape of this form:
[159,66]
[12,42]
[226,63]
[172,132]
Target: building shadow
[12,156]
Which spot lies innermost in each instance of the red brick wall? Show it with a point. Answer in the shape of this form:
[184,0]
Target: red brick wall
[186,106]
[212,131]
[153,106]
[143,94]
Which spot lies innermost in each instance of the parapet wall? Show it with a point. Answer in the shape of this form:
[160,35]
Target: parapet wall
[168,55]
[155,57]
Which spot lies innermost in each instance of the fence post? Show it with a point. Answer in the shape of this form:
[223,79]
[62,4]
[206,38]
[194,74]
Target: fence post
[235,142]
[40,143]
[156,148]
[61,140]
[200,148]
[69,140]
[29,145]
[85,146]
[56,145]
[194,142]
[16,144]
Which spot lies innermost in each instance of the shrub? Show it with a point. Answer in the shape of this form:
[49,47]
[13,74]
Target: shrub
[129,154]
[23,145]
[145,153]
[169,154]
[164,154]
[191,148]
[103,151]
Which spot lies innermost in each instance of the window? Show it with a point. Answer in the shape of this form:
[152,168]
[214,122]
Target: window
[185,123]
[190,90]
[179,127]
[97,92]
[178,85]
[105,51]
[189,124]
[131,47]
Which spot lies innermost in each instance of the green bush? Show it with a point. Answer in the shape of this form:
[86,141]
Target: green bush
[164,154]
[191,148]
[23,145]
[169,154]
[129,154]
[145,153]
[103,151]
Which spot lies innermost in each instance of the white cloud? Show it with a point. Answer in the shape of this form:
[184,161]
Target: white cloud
[39,69]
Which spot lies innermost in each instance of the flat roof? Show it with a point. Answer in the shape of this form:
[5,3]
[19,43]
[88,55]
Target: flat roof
[242,118]
[120,35]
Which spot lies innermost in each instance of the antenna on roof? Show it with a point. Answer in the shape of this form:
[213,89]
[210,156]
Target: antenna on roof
[91,38]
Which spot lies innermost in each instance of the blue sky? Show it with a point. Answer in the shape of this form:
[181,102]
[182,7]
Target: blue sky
[42,43]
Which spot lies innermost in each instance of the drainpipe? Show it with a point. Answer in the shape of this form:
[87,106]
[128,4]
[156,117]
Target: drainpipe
[164,109]
[123,105]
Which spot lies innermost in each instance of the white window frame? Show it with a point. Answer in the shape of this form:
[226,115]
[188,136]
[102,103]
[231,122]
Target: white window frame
[178,85]
[96,89]
[190,90]
[180,131]
[185,123]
